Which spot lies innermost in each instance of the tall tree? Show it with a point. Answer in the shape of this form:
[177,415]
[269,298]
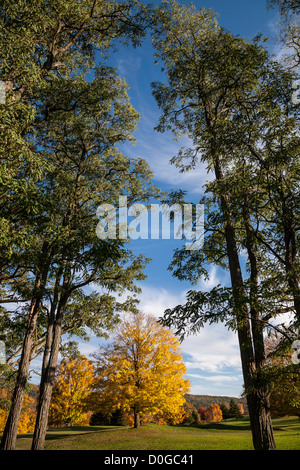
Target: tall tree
[214,80]
[101,174]
[58,47]
[213,414]
[142,371]
[42,41]
[225,411]
[73,384]
[234,409]
[85,314]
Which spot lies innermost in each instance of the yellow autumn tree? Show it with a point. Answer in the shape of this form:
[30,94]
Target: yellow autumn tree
[73,385]
[28,413]
[213,414]
[142,371]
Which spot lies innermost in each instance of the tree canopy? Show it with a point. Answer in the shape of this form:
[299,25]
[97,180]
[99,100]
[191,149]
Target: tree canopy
[232,100]
[142,370]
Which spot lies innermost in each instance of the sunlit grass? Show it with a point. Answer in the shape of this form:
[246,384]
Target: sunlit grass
[228,435]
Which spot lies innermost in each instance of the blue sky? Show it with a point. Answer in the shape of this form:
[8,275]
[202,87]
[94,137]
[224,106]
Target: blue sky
[212,357]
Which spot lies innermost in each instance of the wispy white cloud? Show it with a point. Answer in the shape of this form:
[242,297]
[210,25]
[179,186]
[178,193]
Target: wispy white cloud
[216,378]
[155,300]
[273,24]
[128,65]
[159,148]
[159,154]
[213,350]
[213,280]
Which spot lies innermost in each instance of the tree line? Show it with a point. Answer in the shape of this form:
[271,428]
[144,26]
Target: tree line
[137,378]
[66,115]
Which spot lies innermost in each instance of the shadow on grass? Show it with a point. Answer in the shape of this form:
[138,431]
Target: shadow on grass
[61,433]
[223,426]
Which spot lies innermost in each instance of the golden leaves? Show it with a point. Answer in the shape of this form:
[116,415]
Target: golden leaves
[143,369]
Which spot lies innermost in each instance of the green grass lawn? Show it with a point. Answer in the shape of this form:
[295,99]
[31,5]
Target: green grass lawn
[230,435]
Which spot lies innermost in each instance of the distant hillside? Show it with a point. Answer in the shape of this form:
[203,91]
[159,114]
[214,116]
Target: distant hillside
[207,400]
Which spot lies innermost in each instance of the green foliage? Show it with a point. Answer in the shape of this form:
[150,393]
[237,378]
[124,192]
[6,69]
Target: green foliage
[118,418]
[225,411]
[44,46]
[65,115]
[234,411]
[231,100]
[290,29]
[100,418]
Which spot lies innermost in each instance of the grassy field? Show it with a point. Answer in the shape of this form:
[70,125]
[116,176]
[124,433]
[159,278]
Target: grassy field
[230,435]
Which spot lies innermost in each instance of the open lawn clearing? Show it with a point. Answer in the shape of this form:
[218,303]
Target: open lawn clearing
[228,435]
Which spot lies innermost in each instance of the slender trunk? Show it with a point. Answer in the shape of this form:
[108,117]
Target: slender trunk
[46,386]
[258,398]
[47,379]
[48,344]
[9,437]
[294,286]
[11,428]
[51,320]
[261,424]
[260,420]
[256,324]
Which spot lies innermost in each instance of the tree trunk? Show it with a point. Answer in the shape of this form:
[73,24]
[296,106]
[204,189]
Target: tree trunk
[9,437]
[257,398]
[137,420]
[46,385]
[48,376]
[51,320]
[260,419]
